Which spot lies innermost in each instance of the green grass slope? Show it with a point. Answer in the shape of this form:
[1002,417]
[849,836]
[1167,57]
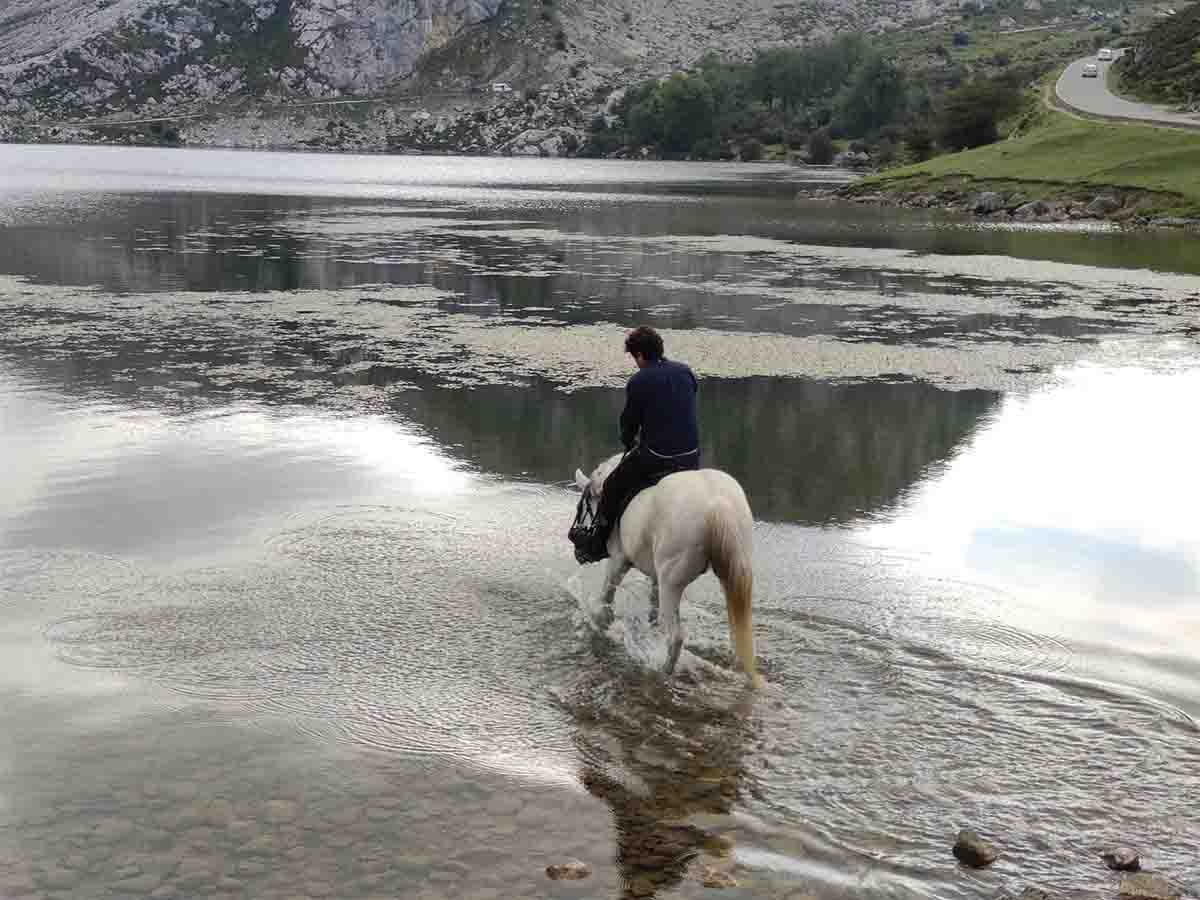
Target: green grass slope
[1061,151]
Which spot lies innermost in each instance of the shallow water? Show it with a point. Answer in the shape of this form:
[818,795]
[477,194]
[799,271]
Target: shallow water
[287,609]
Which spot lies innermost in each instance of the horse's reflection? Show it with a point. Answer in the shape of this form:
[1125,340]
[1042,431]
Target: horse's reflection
[669,774]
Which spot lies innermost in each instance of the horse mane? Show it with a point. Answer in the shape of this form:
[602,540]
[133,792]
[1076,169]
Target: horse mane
[602,471]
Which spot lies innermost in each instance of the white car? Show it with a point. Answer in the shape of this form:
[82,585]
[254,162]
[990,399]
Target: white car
[1091,70]
[1105,55]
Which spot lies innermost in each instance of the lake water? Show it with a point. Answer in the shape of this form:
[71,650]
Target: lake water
[287,608]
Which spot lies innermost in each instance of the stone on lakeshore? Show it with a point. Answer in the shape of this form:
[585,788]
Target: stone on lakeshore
[1122,859]
[1031,210]
[1103,205]
[972,850]
[1144,886]
[571,870]
[987,202]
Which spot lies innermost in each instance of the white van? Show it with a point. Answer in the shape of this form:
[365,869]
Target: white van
[1105,55]
[501,87]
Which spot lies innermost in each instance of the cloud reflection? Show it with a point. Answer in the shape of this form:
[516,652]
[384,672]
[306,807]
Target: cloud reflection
[105,479]
[1076,497]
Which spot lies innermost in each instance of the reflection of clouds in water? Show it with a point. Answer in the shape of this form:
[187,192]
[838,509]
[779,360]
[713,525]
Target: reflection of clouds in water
[1076,494]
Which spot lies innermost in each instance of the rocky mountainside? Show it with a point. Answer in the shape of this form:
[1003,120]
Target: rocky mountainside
[68,58]
[75,59]
[1164,63]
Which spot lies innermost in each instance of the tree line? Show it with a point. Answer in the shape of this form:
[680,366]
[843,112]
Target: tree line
[806,98]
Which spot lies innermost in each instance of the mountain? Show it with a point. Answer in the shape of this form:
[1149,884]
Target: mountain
[73,59]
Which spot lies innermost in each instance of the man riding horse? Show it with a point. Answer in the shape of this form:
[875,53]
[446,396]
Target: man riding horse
[658,430]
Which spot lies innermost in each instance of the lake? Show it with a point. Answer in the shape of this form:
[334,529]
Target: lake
[287,608]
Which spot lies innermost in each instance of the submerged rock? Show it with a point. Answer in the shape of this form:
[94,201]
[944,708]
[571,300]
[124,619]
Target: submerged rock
[972,850]
[571,870]
[712,873]
[1122,859]
[716,878]
[1029,893]
[1143,886]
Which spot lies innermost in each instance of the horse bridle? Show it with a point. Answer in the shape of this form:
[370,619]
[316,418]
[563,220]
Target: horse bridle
[585,516]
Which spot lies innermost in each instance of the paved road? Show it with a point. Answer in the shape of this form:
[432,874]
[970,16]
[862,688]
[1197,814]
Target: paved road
[1091,95]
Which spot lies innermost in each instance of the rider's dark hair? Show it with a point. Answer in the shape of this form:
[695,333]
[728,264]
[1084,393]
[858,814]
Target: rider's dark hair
[646,341]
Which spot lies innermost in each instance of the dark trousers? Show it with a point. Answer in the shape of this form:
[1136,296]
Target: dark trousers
[636,471]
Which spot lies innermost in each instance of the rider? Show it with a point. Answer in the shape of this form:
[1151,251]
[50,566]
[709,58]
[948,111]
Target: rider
[658,429]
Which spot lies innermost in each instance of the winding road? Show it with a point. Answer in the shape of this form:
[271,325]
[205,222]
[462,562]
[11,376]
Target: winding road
[1091,96]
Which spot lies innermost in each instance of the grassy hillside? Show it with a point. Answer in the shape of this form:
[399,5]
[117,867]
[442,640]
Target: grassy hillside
[1061,152]
[1165,62]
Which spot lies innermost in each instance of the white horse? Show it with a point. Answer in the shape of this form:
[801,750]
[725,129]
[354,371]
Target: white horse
[674,532]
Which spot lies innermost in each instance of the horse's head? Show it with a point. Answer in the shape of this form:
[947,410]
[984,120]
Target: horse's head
[595,483]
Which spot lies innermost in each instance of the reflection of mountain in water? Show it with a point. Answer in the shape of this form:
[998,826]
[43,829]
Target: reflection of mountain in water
[804,451]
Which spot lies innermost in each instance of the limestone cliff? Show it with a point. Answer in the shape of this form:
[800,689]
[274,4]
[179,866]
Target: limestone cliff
[64,58]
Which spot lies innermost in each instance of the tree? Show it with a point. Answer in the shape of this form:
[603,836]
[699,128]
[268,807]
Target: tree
[686,104]
[970,114]
[820,147]
[876,96]
[752,150]
[919,140]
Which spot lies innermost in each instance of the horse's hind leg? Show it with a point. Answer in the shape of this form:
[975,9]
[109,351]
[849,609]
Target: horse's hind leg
[669,624]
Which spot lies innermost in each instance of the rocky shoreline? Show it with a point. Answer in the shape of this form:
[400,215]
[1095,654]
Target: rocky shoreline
[552,122]
[1025,203]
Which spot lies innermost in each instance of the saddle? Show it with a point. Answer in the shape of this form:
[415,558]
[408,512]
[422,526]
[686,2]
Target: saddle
[587,535]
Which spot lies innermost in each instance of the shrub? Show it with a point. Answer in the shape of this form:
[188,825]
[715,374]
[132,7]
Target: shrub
[919,140]
[795,138]
[820,147]
[970,114]
[885,153]
[706,148]
[752,150]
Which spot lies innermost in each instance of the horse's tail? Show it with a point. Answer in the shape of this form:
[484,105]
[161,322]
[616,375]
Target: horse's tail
[730,560]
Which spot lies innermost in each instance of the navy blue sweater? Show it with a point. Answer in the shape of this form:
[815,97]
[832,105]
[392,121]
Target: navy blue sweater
[660,407]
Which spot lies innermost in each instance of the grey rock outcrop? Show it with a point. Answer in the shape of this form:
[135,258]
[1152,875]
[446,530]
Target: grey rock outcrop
[64,58]
[987,202]
[1103,205]
[72,60]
